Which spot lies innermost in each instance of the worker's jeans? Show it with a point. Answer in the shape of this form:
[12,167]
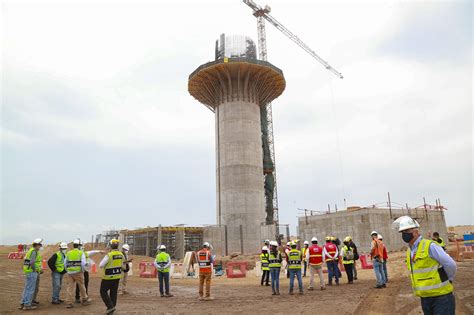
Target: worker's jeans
[205,277]
[316,269]
[385,270]
[86,285]
[29,290]
[439,305]
[108,292]
[296,273]
[275,275]
[164,277]
[332,271]
[378,269]
[57,280]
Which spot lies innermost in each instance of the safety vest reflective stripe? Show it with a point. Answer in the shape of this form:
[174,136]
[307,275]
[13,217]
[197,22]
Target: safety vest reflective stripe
[432,287]
[294,259]
[265,263]
[204,261]
[274,261]
[425,269]
[74,260]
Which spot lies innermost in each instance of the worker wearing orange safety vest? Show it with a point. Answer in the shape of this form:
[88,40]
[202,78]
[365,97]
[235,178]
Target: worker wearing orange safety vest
[205,262]
[331,256]
[314,257]
[304,250]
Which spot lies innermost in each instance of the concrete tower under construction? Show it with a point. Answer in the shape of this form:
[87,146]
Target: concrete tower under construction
[234,86]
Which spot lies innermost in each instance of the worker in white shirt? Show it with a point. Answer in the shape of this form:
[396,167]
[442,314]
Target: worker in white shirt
[75,263]
[87,268]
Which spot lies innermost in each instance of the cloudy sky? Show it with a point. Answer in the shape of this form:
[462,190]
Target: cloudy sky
[98,130]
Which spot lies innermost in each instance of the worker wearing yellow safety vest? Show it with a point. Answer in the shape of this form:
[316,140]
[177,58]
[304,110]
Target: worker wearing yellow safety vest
[347,254]
[431,269]
[274,263]
[75,264]
[294,259]
[56,264]
[439,240]
[304,249]
[112,265]
[32,270]
[163,265]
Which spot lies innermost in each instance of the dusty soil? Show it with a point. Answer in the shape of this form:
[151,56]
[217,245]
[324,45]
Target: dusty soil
[242,296]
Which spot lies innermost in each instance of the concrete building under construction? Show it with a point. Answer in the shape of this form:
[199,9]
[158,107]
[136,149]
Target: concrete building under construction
[234,87]
[359,222]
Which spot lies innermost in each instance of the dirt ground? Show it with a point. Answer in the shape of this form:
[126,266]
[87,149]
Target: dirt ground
[240,296]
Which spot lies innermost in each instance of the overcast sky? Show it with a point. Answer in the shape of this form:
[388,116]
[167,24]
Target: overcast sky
[99,131]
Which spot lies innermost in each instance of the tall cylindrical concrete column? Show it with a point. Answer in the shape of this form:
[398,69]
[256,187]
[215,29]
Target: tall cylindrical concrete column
[234,89]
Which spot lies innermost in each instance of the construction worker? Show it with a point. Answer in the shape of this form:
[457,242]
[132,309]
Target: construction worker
[163,265]
[205,261]
[32,270]
[87,268]
[314,257]
[331,257]
[287,250]
[347,254]
[294,259]
[376,254]
[75,263]
[356,256]
[385,258]
[264,257]
[112,265]
[439,240]
[303,253]
[127,260]
[274,262]
[266,243]
[431,269]
[56,264]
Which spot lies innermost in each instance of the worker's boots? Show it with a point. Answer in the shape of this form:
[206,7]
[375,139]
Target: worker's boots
[291,292]
[278,292]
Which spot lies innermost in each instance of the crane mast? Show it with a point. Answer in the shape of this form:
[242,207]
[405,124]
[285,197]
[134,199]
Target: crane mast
[266,116]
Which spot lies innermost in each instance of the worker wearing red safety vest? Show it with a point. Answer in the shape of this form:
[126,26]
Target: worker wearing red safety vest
[205,261]
[331,256]
[314,257]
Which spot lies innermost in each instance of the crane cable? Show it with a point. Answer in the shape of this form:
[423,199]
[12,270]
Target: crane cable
[338,145]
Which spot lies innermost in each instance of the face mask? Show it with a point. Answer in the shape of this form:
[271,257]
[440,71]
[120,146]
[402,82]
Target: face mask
[41,249]
[407,237]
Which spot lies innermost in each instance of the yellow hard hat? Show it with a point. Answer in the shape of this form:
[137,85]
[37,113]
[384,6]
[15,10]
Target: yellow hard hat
[328,238]
[347,239]
[114,241]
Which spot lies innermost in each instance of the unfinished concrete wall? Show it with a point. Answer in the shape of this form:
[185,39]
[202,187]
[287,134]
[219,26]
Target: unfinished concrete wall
[359,224]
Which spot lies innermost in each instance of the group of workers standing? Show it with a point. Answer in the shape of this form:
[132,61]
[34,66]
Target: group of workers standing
[309,256]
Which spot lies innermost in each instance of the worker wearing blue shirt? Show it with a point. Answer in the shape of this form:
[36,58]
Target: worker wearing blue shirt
[432,270]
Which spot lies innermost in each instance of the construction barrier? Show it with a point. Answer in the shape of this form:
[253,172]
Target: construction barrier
[16,255]
[232,272]
[44,264]
[364,262]
[147,274]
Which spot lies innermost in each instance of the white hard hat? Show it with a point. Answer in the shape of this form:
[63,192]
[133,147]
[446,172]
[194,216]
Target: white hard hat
[288,243]
[267,241]
[206,244]
[405,223]
[77,241]
[125,247]
[306,243]
[314,239]
[264,248]
[380,237]
[62,245]
[374,232]
[162,247]
[38,241]
[274,243]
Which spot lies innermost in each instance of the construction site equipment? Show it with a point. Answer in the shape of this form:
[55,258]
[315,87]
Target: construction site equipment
[364,260]
[236,269]
[266,116]
[143,270]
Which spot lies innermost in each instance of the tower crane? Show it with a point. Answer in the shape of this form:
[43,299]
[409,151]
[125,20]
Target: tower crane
[271,196]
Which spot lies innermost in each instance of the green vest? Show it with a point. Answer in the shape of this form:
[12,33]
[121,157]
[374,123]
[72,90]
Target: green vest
[74,260]
[346,249]
[442,243]
[273,261]
[425,273]
[294,259]
[27,268]
[113,268]
[264,258]
[162,260]
[59,262]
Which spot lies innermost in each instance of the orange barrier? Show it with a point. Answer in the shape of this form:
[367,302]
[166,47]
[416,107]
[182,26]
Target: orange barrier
[44,265]
[231,272]
[94,268]
[147,274]
[364,262]
[16,255]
